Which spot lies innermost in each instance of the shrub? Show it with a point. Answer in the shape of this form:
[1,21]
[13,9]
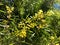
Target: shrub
[24,22]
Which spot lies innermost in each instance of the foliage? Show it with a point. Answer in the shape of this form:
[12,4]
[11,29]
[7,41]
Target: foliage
[24,22]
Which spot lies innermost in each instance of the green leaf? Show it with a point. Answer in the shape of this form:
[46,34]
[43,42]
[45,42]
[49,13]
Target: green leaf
[2,11]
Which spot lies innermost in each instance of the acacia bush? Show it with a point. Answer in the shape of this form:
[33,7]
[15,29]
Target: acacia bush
[29,22]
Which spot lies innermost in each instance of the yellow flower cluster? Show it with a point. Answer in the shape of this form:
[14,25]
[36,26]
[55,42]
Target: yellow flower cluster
[28,20]
[57,44]
[49,44]
[49,13]
[9,11]
[21,33]
[54,44]
[5,21]
[39,14]
[52,38]
[43,21]
[32,22]
[40,26]
[21,25]
[32,25]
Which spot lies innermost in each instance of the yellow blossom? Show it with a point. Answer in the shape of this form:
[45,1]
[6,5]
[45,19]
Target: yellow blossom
[7,26]
[57,44]
[43,20]
[40,12]
[50,12]
[48,44]
[32,25]
[21,25]
[17,32]
[40,26]
[9,16]
[28,20]
[5,21]
[22,33]
[41,16]
[12,8]
[9,9]
[36,15]
[52,38]
[11,44]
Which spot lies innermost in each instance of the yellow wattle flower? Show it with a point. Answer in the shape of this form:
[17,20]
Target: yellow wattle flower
[40,26]
[5,21]
[9,16]
[9,9]
[41,16]
[32,25]
[16,33]
[36,15]
[52,38]
[11,44]
[40,12]
[48,44]
[12,8]
[22,34]
[50,12]
[43,20]
[57,44]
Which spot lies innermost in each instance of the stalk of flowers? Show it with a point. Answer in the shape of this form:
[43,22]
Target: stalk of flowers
[32,22]
[9,11]
[41,19]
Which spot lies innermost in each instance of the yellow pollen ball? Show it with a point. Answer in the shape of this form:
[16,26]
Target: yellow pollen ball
[23,33]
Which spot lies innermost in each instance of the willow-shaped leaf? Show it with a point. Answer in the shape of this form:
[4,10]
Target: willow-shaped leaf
[2,11]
